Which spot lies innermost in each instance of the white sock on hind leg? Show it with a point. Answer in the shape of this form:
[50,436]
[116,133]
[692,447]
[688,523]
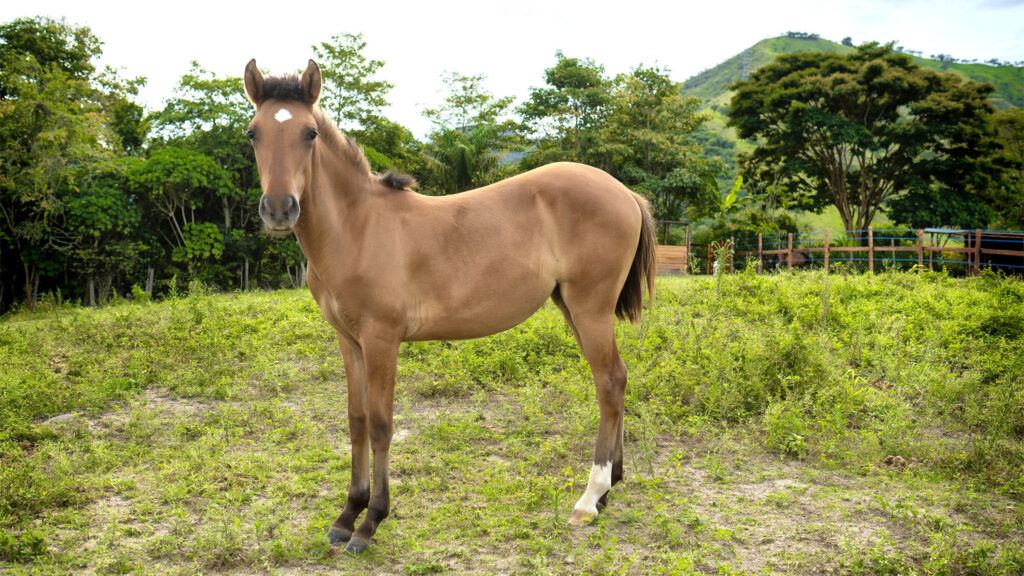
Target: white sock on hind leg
[599,484]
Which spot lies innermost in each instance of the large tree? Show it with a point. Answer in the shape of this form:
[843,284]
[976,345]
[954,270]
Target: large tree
[636,126]
[472,132]
[565,117]
[863,129]
[52,121]
[1006,194]
[648,142]
[351,94]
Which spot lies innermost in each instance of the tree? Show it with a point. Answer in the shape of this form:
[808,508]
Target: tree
[472,131]
[52,120]
[350,94]
[102,220]
[648,142]
[860,130]
[175,181]
[1006,194]
[209,115]
[564,118]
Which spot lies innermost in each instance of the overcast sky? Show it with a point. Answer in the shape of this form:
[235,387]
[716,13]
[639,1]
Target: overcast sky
[513,41]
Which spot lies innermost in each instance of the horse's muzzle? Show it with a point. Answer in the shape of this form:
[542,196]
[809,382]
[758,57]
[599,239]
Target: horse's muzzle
[279,214]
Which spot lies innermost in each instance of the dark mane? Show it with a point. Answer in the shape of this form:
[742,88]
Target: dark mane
[397,180]
[287,88]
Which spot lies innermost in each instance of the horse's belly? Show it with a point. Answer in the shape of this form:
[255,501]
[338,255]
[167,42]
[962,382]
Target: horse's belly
[487,310]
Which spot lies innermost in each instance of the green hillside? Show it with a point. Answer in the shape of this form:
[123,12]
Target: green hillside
[1008,80]
[712,85]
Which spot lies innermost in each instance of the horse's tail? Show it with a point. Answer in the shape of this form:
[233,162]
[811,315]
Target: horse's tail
[642,270]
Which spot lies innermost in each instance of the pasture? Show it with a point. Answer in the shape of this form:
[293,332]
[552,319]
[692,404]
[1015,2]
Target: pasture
[777,424]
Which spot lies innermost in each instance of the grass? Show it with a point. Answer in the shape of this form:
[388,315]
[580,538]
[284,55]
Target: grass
[787,424]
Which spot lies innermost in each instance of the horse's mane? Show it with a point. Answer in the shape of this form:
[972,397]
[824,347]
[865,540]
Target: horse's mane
[354,153]
[289,88]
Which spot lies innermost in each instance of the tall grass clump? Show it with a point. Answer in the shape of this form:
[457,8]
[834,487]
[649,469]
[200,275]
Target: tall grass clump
[877,361]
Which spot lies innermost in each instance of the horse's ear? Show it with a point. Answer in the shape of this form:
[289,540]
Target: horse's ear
[311,82]
[253,83]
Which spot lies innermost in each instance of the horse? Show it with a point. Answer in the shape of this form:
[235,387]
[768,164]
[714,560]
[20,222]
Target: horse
[388,265]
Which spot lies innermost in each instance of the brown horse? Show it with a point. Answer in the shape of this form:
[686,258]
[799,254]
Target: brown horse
[388,265]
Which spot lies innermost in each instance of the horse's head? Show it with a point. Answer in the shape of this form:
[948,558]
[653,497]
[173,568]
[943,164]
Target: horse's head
[283,133]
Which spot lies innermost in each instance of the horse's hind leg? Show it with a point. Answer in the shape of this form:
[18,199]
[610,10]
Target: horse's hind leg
[617,472]
[596,335]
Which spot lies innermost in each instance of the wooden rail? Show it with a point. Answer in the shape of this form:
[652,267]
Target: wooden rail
[677,259]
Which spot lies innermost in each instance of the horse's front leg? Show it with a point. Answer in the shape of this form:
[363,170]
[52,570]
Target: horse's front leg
[380,354]
[358,420]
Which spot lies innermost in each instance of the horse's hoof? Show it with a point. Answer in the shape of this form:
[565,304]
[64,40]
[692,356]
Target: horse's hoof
[582,517]
[356,546]
[339,536]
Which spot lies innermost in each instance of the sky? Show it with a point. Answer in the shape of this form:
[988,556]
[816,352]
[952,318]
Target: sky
[511,42]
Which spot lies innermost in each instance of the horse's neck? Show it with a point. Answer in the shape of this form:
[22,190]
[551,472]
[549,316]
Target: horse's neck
[334,193]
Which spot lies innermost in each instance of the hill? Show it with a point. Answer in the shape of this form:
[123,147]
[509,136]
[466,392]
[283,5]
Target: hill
[712,85]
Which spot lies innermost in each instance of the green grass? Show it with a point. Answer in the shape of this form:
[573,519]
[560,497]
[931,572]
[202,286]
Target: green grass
[788,424]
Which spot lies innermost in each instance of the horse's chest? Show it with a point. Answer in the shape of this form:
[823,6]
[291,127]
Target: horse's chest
[333,308]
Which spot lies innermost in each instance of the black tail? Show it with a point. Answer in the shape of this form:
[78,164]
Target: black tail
[642,270]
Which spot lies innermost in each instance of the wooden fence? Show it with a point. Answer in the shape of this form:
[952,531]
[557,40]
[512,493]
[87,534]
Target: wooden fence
[973,249]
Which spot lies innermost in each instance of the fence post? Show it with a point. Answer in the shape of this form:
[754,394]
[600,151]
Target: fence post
[826,251]
[711,257]
[931,253]
[920,250]
[789,253]
[871,250]
[977,251]
[686,259]
[732,253]
[760,258]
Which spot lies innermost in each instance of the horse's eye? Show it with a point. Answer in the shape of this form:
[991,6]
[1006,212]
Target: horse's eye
[311,135]
[250,134]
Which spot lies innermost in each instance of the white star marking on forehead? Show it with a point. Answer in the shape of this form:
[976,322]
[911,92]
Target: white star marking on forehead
[283,115]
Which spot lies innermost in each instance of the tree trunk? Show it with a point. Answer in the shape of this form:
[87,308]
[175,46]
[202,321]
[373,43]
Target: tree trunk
[105,285]
[90,289]
[227,215]
[31,285]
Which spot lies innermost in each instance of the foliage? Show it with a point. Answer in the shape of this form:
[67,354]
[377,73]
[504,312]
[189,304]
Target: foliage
[472,131]
[53,120]
[350,93]
[175,180]
[648,143]
[864,130]
[1006,195]
[565,117]
[636,127]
